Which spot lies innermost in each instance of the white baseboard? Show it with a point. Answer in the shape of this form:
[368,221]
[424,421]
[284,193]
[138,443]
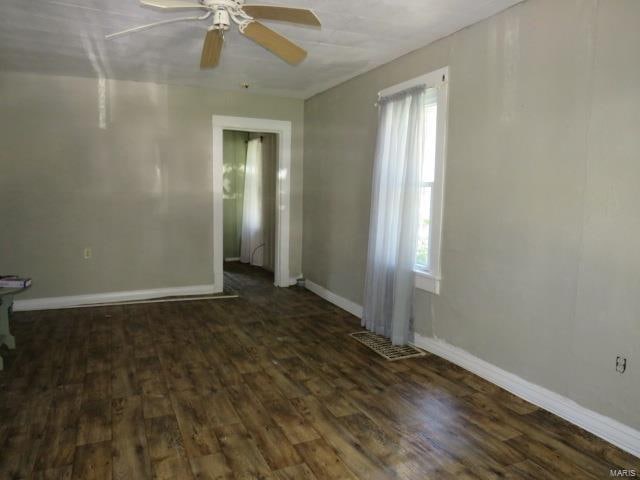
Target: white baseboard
[619,434]
[110,297]
[232,259]
[351,307]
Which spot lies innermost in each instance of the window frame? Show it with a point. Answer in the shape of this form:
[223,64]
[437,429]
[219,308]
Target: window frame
[429,279]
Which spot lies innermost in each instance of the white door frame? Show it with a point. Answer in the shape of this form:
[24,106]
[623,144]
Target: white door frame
[283,190]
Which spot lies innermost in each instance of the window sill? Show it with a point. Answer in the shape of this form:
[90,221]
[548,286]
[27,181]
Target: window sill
[426,281]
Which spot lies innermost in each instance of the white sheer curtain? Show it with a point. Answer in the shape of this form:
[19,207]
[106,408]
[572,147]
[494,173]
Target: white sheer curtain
[389,285]
[252,239]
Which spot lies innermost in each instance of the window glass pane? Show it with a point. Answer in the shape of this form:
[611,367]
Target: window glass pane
[422,256]
[429,166]
[428,177]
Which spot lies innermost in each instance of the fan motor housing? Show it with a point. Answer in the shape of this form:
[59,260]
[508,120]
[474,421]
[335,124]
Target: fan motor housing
[221,19]
[222,3]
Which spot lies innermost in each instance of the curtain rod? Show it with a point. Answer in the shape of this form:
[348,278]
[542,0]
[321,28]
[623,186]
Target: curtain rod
[404,91]
[429,80]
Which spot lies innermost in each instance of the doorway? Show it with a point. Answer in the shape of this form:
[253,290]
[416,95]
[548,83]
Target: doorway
[266,247]
[249,207]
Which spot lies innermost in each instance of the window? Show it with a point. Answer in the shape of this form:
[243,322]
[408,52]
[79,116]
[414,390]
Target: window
[427,263]
[423,257]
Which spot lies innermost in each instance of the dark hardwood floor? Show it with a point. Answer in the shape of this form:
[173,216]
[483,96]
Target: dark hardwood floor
[266,386]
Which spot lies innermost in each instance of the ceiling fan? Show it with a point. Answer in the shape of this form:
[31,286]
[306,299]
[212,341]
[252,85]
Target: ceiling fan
[223,12]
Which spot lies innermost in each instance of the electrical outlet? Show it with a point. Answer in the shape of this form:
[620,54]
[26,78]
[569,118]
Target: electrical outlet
[87,253]
[621,364]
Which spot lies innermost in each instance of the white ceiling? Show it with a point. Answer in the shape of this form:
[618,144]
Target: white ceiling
[66,37]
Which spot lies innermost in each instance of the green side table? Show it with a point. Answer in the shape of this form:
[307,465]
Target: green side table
[6,302]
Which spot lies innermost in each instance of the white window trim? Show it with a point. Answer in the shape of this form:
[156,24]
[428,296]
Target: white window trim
[429,280]
[426,281]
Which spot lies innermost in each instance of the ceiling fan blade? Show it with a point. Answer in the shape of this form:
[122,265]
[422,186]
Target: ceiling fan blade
[170,4]
[140,28]
[211,49]
[283,14]
[274,42]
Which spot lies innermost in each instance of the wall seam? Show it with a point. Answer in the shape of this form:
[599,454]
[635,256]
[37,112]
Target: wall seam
[591,70]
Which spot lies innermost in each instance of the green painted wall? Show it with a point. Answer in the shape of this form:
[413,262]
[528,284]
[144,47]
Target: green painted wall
[235,156]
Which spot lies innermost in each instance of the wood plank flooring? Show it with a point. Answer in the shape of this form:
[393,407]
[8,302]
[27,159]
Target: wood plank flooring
[266,386]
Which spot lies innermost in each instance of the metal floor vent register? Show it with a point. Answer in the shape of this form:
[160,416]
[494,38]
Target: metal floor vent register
[383,347]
